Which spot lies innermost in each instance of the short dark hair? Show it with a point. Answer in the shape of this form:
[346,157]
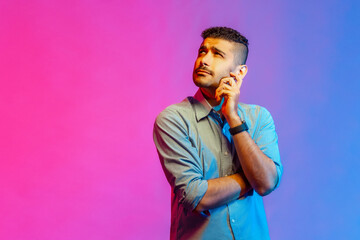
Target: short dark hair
[231,35]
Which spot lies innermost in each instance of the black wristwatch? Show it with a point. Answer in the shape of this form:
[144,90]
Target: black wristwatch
[238,129]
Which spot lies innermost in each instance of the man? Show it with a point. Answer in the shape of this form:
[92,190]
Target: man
[219,156]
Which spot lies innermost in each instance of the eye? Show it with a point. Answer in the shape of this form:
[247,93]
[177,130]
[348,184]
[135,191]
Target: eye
[201,53]
[219,54]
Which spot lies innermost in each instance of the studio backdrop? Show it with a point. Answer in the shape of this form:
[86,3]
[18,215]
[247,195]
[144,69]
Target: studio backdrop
[82,82]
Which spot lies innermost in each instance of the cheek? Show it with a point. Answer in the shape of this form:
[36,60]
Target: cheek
[197,62]
[223,72]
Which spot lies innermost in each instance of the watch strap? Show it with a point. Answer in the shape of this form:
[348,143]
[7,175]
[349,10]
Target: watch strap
[238,129]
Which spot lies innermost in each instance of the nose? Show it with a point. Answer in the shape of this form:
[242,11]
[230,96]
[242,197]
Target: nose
[206,59]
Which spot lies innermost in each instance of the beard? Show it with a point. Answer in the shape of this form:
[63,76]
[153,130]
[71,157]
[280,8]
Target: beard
[203,77]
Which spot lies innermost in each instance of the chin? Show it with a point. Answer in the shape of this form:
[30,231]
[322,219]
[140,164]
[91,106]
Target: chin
[201,81]
[205,82]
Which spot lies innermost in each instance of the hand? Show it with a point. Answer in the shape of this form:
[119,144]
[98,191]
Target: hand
[229,89]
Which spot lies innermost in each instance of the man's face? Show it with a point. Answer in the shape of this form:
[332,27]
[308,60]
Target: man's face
[215,60]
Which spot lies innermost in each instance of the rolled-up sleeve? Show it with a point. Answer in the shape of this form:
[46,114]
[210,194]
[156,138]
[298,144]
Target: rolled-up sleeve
[179,158]
[267,140]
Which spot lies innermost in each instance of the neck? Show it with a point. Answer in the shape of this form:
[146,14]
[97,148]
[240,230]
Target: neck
[210,97]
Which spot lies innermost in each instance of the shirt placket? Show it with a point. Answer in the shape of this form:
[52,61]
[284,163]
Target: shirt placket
[225,151]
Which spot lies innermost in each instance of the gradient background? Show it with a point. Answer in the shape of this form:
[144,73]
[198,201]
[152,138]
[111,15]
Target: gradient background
[82,82]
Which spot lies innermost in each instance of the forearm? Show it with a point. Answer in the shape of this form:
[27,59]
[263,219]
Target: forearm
[223,190]
[259,169]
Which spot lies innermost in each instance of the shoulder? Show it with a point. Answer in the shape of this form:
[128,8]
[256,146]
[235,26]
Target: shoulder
[257,117]
[254,111]
[176,113]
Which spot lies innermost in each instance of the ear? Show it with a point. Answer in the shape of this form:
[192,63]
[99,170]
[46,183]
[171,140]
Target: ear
[241,70]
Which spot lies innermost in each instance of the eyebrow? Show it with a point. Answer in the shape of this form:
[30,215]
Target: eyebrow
[218,50]
[212,48]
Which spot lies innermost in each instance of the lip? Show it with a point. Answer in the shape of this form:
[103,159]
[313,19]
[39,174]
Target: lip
[203,71]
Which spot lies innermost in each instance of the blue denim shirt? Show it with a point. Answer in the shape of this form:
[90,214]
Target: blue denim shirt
[195,145]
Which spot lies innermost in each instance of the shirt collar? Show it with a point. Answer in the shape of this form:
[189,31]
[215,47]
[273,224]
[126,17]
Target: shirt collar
[204,108]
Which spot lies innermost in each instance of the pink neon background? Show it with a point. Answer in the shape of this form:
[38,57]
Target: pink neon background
[82,82]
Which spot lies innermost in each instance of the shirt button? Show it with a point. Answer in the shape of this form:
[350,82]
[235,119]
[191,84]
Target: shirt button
[226,153]
[232,220]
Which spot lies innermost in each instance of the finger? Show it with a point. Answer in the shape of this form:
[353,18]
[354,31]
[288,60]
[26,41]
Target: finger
[226,93]
[224,84]
[218,94]
[227,86]
[239,79]
[233,81]
[233,89]
[226,80]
